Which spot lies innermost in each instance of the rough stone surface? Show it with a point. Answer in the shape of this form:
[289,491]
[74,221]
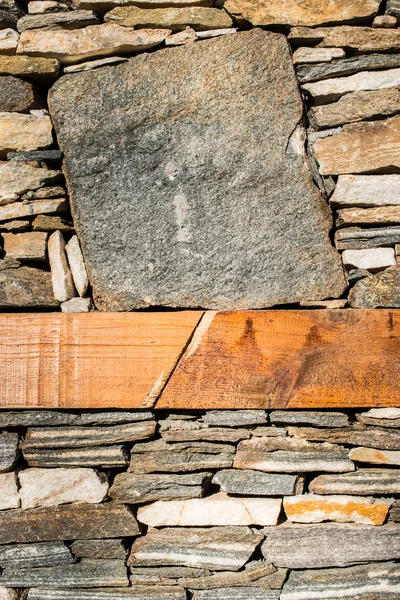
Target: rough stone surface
[10,12]
[166,576]
[107,457]
[8,41]
[99,548]
[61,277]
[217,548]
[383,215]
[25,246]
[317,55]
[234,418]
[45,223]
[42,70]
[17,178]
[357,436]
[17,95]
[257,573]
[376,457]
[8,594]
[9,496]
[203,433]
[50,487]
[363,482]
[256,483]
[47,156]
[42,554]
[218,509]
[95,41]
[175,19]
[77,265]
[77,305]
[132,489]
[381,290]
[381,417]
[191,195]
[311,508]
[40,7]
[26,287]
[16,210]
[363,39]
[317,546]
[240,593]
[67,20]
[95,64]
[373,259]
[8,446]
[316,418]
[366,191]
[350,66]
[309,13]
[50,418]
[133,593]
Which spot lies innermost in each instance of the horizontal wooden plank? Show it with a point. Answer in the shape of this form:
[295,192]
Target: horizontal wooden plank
[93,360]
[289,359]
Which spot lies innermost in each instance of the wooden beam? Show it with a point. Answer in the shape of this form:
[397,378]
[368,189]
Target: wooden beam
[95,360]
[289,359]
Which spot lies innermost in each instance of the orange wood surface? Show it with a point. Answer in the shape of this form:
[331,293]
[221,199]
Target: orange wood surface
[289,359]
[92,360]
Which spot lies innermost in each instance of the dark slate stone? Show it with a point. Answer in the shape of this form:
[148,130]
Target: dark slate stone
[51,156]
[10,12]
[348,66]
[17,95]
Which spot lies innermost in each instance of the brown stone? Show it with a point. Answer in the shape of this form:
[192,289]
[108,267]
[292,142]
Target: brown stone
[362,39]
[17,95]
[383,215]
[16,210]
[25,246]
[45,223]
[43,70]
[311,508]
[175,19]
[381,290]
[26,287]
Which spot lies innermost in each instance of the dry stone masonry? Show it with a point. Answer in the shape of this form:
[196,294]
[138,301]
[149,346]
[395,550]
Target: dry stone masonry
[281,505]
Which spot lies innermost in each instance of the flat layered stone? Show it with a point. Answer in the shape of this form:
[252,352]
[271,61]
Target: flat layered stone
[330,545]
[10,12]
[217,548]
[137,489]
[312,508]
[364,436]
[241,593]
[348,66]
[204,433]
[40,7]
[8,41]
[47,156]
[316,418]
[384,21]
[256,483]
[17,95]
[316,55]
[26,287]
[380,581]
[175,19]
[181,183]
[77,305]
[99,549]
[255,574]
[73,19]
[165,576]
[360,147]
[382,215]
[290,456]
[355,238]
[381,290]
[381,417]
[67,522]
[311,13]
[49,418]
[234,418]
[28,556]
[50,487]
[95,41]
[161,457]
[132,593]
[375,457]
[9,496]
[8,442]
[363,482]
[18,178]
[394,514]
[357,106]
[25,246]
[86,573]
[373,259]
[95,64]
[74,437]
[366,191]
[362,39]
[16,210]
[104,5]
[44,193]
[61,277]
[77,265]
[16,225]
[43,70]
[45,223]
[217,509]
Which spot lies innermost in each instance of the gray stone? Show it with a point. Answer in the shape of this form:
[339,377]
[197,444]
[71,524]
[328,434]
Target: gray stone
[393,8]
[49,418]
[197,206]
[50,156]
[134,489]
[77,305]
[17,95]
[381,417]
[132,593]
[348,66]
[255,574]
[217,548]
[165,576]
[316,418]
[380,581]
[67,20]
[256,483]
[356,238]
[99,548]
[204,433]
[330,545]
[394,514]
[86,573]
[381,290]
[356,436]
[10,12]
[234,418]
[241,593]
[363,482]
[8,447]
[106,457]
[28,556]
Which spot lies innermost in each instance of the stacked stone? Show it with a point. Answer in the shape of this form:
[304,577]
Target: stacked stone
[218,504]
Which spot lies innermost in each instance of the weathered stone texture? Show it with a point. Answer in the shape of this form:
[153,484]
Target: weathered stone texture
[375,457]
[256,483]
[175,19]
[132,489]
[311,508]
[199,253]
[9,496]
[367,436]
[68,20]
[8,443]
[366,191]
[18,178]
[363,482]
[26,287]
[99,548]
[25,246]
[36,68]
[28,556]
[381,290]
[17,95]
[363,39]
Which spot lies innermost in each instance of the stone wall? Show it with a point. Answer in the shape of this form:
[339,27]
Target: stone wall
[204,505]
[187,158]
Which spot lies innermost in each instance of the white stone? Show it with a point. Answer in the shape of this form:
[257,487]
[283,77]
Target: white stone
[63,285]
[95,64]
[77,265]
[385,21]
[372,259]
[382,413]
[375,457]
[331,89]
[312,508]
[39,7]
[50,487]
[8,41]
[366,191]
[24,132]
[204,35]
[317,55]
[77,305]
[9,496]
[218,509]
[8,594]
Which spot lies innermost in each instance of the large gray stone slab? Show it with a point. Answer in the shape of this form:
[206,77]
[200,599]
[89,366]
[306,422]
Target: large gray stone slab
[188,181]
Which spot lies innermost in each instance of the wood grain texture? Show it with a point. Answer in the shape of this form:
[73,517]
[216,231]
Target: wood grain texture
[95,360]
[289,359]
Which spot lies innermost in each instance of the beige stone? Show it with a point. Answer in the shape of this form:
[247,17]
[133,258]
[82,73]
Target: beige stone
[372,259]
[16,210]
[16,225]
[384,215]
[26,287]
[8,594]
[9,495]
[45,193]
[205,35]
[46,223]
[330,304]
[42,70]
[360,148]
[306,12]
[311,508]
[77,265]
[181,38]
[8,41]
[362,39]
[100,6]
[176,19]
[366,191]
[218,509]
[95,41]
[24,132]
[40,7]
[317,55]
[382,413]
[25,246]
[375,457]
[73,19]
[50,487]
[385,21]
[95,64]
[63,285]
[77,305]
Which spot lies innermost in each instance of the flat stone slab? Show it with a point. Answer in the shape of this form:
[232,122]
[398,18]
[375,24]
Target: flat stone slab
[200,217]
